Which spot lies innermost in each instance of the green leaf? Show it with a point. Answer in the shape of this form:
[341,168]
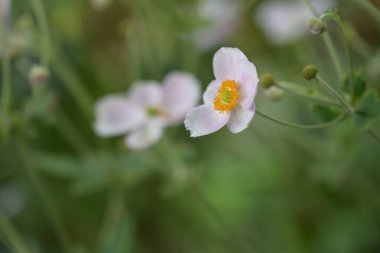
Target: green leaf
[354,86]
[368,111]
[58,165]
[325,113]
[118,238]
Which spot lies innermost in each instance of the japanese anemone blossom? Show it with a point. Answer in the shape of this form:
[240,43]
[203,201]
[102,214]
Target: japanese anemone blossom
[229,99]
[147,110]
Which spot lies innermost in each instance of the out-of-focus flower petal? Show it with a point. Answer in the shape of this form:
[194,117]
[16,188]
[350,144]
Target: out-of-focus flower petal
[222,17]
[146,136]
[181,92]
[211,92]
[226,63]
[146,93]
[247,81]
[204,120]
[115,115]
[285,21]
[240,119]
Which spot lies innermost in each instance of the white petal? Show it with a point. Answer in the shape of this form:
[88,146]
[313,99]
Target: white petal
[240,119]
[226,63]
[211,92]
[204,120]
[115,115]
[146,93]
[181,92]
[145,137]
[247,81]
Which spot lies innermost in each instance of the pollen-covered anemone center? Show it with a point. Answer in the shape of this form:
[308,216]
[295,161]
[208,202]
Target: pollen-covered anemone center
[227,97]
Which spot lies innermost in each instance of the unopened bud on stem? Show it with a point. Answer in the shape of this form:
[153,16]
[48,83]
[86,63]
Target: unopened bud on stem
[38,75]
[310,72]
[267,80]
[317,26]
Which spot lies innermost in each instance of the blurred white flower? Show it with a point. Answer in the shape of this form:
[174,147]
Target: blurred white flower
[285,21]
[222,17]
[147,110]
[100,4]
[229,99]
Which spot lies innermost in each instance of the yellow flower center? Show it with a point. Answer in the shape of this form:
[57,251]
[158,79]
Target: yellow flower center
[227,97]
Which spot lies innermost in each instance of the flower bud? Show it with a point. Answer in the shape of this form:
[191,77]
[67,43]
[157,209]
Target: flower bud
[273,93]
[267,80]
[310,72]
[38,75]
[317,26]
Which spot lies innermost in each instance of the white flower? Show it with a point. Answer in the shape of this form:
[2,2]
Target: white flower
[147,110]
[229,99]
[285,21]
[222,17]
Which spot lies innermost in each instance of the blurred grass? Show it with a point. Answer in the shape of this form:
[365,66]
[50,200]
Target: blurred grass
[268,189]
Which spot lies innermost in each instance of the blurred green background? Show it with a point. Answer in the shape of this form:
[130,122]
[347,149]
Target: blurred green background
[267,189]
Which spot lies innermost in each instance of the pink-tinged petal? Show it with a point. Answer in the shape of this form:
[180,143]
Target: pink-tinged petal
[146,93]
[203,120]
[146,136]
[226,63]
[240,119]
[181,92]
[115,115]
[247,81]
[211,92]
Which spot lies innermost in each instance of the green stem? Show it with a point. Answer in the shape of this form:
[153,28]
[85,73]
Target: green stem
[343,102]
[40,14]
[6,94]
[333,54]
[14,240]
[374,134]
[45,198]
[339,21]
[71,133]
[328,42]
[288,87]
[372,10]
[306,127]
[74,86]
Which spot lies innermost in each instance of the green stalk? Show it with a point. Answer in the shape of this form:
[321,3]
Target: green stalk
[287,86]
[6,93]
[343,102]
[367,6]
[45,198]
[329,43]
[10,234]
[74,86]
[40,13]
[374,134]
[335,121]
[339,21]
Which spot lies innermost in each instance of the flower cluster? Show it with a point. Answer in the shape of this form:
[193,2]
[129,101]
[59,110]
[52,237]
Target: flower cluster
[150,107]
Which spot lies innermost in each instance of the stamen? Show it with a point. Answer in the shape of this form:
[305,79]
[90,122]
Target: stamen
[227,97]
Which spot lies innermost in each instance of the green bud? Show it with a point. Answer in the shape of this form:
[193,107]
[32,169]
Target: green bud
[267,80]
[273,93]
[317,26]
[310,72]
